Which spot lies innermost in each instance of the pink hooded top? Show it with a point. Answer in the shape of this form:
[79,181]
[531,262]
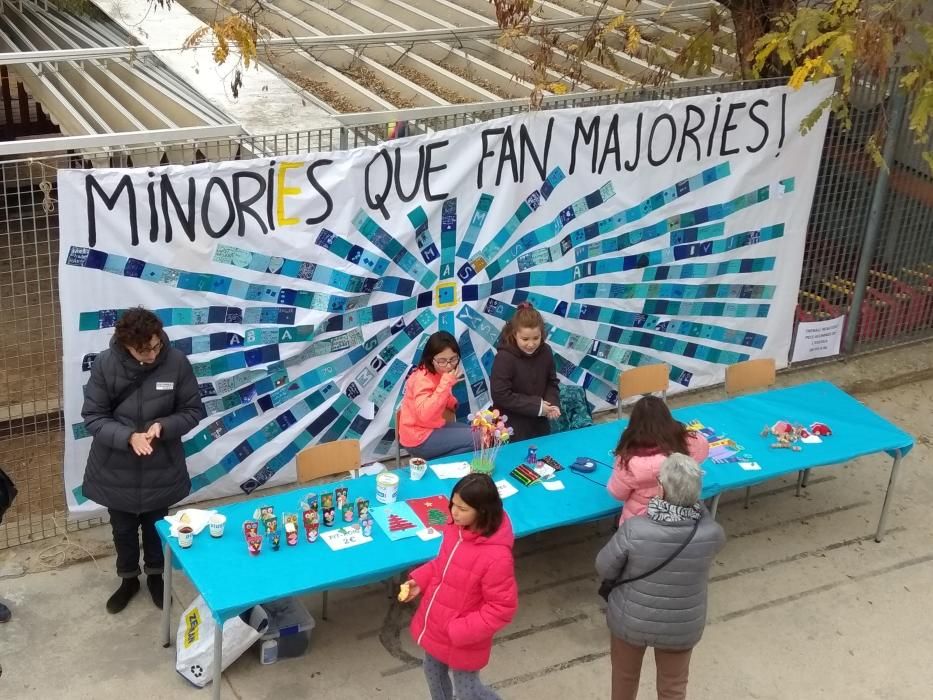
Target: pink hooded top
[637,482]
[469,593]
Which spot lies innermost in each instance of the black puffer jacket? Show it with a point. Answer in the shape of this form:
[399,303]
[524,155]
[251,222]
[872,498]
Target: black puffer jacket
[115,476]
[519,382]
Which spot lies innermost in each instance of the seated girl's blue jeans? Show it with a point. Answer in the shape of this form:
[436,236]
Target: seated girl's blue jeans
[452,439]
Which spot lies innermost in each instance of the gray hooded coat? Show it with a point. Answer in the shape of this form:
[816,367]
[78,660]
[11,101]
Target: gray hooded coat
[667,609]
[116,477]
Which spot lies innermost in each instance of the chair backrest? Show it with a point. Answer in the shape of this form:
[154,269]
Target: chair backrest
[328,458]
[750,375]
[644,380]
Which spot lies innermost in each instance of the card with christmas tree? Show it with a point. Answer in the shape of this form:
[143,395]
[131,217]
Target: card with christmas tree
[397,520]
[433,511]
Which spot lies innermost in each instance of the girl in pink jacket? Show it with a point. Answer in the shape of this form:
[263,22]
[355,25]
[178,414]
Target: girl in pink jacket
[650,436]
[470,592]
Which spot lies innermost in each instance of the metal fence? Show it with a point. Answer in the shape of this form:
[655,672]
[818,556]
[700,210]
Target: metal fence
[886,285]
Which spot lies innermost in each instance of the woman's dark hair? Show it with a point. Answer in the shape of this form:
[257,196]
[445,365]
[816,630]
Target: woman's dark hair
[480,493]
[651,428]
[437,343]
[136,328]
[525,316]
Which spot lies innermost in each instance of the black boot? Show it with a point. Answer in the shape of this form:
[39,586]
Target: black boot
[128,588]
[156,588]
[5,613]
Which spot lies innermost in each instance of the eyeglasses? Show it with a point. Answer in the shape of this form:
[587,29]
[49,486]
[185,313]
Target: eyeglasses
[442,362]
[150,349]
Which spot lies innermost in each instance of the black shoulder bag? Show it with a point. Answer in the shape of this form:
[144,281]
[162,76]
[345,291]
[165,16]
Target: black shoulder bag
[7,493]
[128,391]
[606,587]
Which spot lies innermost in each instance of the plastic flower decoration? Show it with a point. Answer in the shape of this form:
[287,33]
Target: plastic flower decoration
[490,432]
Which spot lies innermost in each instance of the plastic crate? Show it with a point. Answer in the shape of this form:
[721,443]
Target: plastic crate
[289,632]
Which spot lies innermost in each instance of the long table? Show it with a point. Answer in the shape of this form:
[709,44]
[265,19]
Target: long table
[231,581]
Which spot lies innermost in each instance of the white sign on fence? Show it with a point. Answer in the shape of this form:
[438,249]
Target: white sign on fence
[301,287]
[818,339]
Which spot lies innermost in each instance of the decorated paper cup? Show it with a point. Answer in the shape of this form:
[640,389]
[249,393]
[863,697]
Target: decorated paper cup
[417,468]
[185,537]
[217,523]
[254,544]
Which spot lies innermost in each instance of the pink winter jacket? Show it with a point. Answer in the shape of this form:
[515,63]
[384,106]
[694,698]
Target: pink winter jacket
[469,593]
[637,483]
[427,395]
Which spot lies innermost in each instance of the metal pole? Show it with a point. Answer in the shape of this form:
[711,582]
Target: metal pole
[873,228]
[167,598]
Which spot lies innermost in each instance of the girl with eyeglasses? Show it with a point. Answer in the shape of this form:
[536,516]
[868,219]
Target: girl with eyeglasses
[423,428]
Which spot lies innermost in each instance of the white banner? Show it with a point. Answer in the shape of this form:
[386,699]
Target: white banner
[302,287]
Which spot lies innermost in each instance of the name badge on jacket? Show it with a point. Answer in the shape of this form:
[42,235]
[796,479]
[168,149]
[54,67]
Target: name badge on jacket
[165,386]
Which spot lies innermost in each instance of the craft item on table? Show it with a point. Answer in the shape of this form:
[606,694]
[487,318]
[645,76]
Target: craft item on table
[433,511]
[524,475]
[397,520]
[251,528]
[264,512]
[342,495]
[404,591]
[270,524]
[348,512]
[274,538]
[451,470]
[490,433]
[291,533]
[309,502]
[551,462]
[505,489]
[327,508]
[311,523]
[787,435]
[387,487]
[362,508]
[348,536]
[820,429]
[722,449]
[366,524]
[254,544]
[532,456]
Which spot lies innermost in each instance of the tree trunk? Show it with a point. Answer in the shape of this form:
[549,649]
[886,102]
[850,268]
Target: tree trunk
[751,20]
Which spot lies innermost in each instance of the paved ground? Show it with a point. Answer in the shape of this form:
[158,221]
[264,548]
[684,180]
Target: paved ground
[803,604]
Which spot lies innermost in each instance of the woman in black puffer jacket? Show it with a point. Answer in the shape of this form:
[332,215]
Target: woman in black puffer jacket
[141,399]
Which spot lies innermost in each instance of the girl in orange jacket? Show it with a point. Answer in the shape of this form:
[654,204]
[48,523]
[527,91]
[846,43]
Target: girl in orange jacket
[422,429]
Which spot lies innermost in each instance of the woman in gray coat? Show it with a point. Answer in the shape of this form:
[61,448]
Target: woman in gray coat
[141,398]
[660,564]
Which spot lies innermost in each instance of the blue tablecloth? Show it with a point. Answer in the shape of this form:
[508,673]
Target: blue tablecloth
[230,580]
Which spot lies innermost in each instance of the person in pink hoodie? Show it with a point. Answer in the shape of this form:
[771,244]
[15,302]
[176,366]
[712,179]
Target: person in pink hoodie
[650,437]
[422,428]
[469,592]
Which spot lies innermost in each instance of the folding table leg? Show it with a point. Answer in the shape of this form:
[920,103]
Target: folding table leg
[806,477]
[715,506]
[748,496]
[324,606]
[800,476]
[218,659]
[888,494]
[167,599]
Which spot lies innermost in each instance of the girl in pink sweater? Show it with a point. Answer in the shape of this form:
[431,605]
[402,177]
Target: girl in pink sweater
[470,592]
[650,436]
